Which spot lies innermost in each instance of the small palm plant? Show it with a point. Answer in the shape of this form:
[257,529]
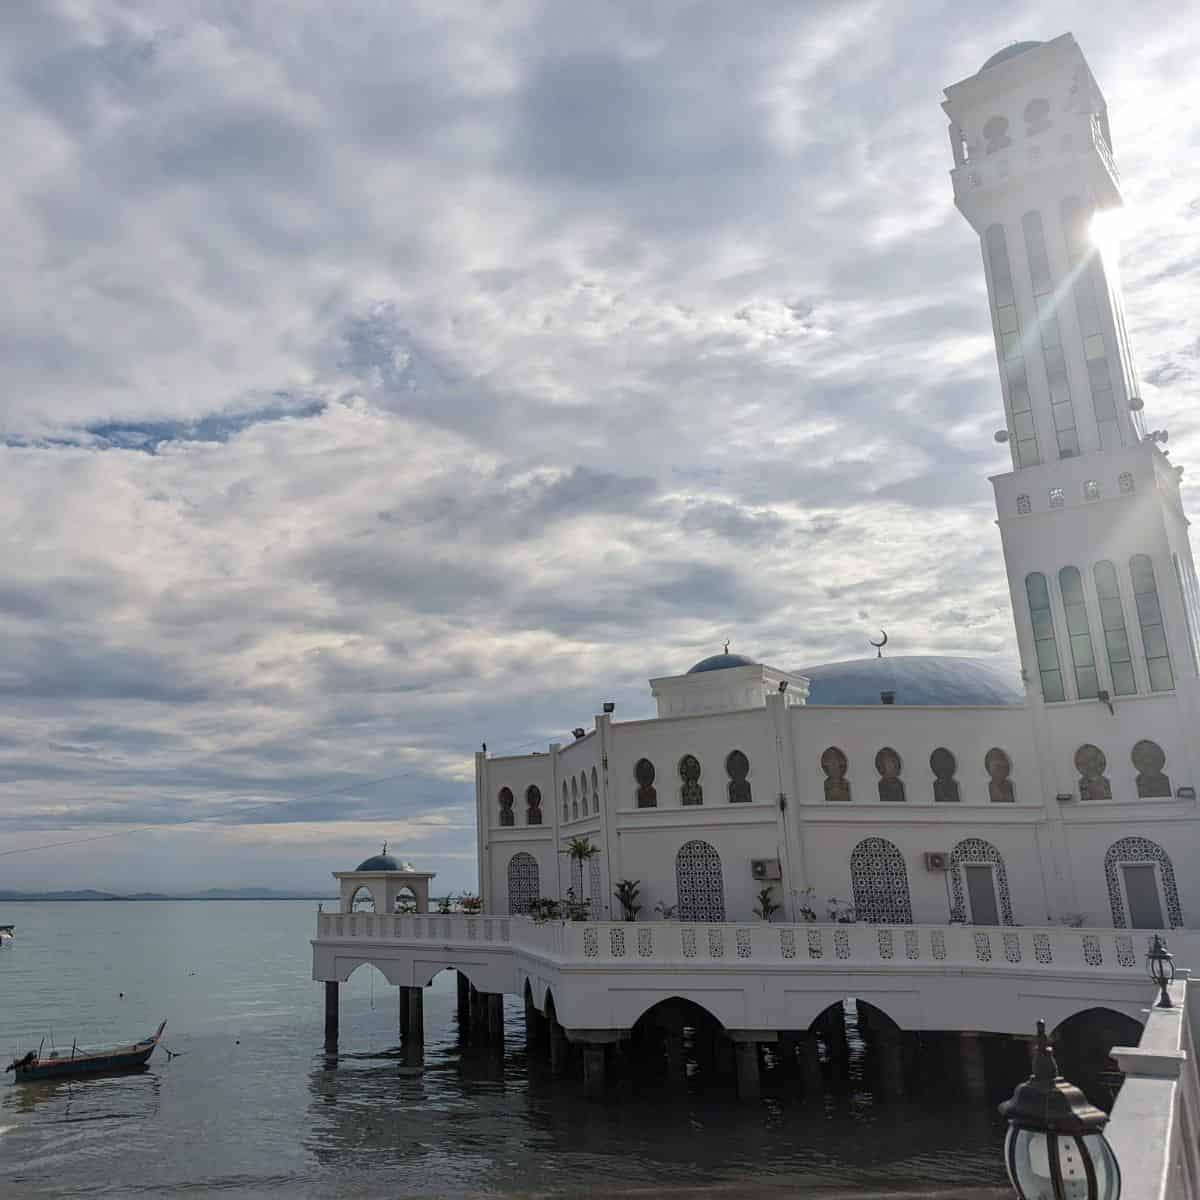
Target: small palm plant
[627,897]
[580,850]
[767,907]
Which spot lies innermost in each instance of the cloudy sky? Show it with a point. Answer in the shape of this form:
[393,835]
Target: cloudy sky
[381,378]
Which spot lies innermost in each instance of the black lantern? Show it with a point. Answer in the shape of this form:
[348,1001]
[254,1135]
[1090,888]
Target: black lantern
[1161,966]
[1056,1148]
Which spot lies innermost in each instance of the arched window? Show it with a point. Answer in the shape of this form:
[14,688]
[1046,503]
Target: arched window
[524,884]
[888,764]
[1008,339]
[533,805]
[690,791]
[1045,644]
[737,767]
[1141,882]
[943,765]
[1154,635]
[1079,633]
[1037,117]
[699,886]
[595,793]
[1091,764]
[995,134]
[506,807]
[986,899]
[835,766]
[999,767]
[1051,338]
[566,803]
[404,901]
[643,772]
[1116,638]
[362,901]
[574,799]
[879,881]
[1149,759]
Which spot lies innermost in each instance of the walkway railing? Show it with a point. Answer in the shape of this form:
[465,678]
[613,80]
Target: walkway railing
[605,943]
[1155,1126]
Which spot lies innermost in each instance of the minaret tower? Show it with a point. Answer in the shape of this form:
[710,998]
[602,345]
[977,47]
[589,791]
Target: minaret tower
[1100,569]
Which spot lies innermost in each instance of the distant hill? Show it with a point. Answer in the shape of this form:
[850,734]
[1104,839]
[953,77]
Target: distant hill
[208,894]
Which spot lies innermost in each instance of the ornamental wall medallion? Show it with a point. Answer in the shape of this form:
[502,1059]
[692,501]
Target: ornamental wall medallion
[737,767]
[643,772]
[835,765]
[891,786]
[1091,765]
[533,805]
[999,766]
[690,791]
[1149,759]
[506,807]
[943,765]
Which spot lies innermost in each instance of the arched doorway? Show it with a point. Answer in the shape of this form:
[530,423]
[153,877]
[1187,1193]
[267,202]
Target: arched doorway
[700,887]
[879,881]
[979,884]
[1083,1045]
[524,884]
[363,900]
[1140,879]
[681,1041]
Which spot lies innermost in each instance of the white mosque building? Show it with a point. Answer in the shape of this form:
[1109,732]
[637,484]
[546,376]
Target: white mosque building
[924,790]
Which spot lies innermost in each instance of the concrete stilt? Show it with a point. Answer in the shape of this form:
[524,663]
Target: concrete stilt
[331,1014]
[810,1067]
[464,1004]
[749,1083]
[890,1049]
[676,1059]
[787,1054]
[593,1071]
[559,1049]
[416,1014]
[494,1013]
[403,1005]
[974,1072]
[723,1057]
[478,1019]
[531,1016]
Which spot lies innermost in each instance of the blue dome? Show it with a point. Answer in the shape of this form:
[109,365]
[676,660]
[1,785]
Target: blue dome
[722,662]
[380,862]
[1010,52]
[915,680]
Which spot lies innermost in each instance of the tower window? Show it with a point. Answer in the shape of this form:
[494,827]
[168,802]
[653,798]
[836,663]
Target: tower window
[1024,508]
[1008,333]
[1037,117]
[1112,621]
[1079,634]
[1044,642]
[995,134]
[1150,618]
[1057,497]
[1125,482]
[1091,489]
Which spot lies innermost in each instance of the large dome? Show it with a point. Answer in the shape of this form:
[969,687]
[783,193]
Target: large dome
[1010,52]
[721,662]
[915,680]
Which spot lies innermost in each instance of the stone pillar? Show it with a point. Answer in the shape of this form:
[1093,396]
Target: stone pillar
[464,1004]
[402,992]
[974,1073]
[748,1080]
[494,1010]
[810,1067]
[531,1029]
[331,1014]
[593,1071]
[416,1013]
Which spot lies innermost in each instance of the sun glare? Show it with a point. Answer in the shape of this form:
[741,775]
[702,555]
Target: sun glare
[1105,232]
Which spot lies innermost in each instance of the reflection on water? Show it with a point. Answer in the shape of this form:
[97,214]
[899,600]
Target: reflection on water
[253,1106]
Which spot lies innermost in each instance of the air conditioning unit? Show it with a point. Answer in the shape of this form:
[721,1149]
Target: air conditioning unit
[765,868]
[937,860]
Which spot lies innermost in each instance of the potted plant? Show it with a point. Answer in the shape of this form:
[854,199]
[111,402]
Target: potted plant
[471,905]
[544,909]
[767,906]
[666,911]
[579,850]
[573,908]
[627,897]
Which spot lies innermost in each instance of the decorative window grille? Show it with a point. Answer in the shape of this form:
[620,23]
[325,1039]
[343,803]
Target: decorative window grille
[1140,850]
[1091,489]
[1045,643]
[1154,634]
[976,850]
[1125,482]
[1058,497]
[1024,508]
[1079,634]
[523,883]
[699,884]
[879,881]
[1116,637]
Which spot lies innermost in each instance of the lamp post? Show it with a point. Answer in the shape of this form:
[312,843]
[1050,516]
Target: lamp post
[1055,1148]
[1161,966]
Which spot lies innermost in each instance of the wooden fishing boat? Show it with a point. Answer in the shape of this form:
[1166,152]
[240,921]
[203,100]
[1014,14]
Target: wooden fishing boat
[93,1062]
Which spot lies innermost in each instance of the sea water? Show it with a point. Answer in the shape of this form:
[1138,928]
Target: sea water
[252,1106]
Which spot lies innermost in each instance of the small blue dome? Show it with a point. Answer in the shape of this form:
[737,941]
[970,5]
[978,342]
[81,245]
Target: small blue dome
[915,680]
[722,662]
[379,862]
[1010,52]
